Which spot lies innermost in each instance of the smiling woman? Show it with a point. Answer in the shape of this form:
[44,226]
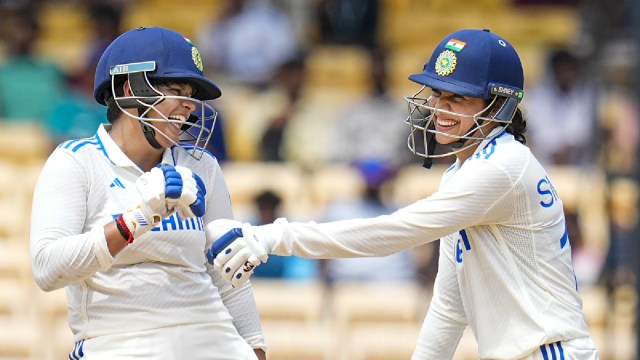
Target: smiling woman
[129,246]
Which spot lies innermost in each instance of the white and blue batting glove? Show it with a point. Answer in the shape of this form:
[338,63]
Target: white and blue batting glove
[191,201]
[244,251]
[154,188]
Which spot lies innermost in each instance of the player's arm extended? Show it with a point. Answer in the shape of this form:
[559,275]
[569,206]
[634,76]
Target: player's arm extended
[445,321]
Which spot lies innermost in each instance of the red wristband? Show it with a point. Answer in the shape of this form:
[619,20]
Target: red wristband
[124,230]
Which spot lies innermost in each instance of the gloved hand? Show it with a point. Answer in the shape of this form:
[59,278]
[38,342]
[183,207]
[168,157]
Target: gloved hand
[191,201]
[154,188]
[236,261]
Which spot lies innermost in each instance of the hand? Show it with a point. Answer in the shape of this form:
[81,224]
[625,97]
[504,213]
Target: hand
[237,260]
[154,187]
[191,201]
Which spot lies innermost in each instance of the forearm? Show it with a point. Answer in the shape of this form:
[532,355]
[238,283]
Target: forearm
[242,307]
[59,262]
[439,337]
[380,236]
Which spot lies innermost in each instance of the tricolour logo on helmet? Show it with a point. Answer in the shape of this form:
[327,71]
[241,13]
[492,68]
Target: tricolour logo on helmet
[197,59]
[455,45]
[446,63]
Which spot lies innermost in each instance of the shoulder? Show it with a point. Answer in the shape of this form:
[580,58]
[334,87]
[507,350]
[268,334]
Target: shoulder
[82,147]
[206,164]
[502,150]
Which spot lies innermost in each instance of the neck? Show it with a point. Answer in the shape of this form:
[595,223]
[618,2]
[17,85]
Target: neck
[127,134]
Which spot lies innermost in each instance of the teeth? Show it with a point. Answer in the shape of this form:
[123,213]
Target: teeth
[442,122]
[178,117]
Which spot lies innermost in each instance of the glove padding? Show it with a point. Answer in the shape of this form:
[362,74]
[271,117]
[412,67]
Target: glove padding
[154,187]
[236,262]
[190,202]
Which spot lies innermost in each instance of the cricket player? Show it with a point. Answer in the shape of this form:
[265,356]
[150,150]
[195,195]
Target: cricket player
[505,258]
[118,219]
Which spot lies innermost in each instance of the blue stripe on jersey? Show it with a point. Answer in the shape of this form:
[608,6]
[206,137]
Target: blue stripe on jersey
[564,238]
[94,142]
[553,352]
[68,143]
[561,350]
[543,350]
[77,352]
[101,147]
[191,147]
[76,144]
[490,148]
[451,167]
[465,239]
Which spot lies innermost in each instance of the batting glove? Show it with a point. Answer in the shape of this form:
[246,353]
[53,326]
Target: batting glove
[191,201]
[237,261]
[154,188]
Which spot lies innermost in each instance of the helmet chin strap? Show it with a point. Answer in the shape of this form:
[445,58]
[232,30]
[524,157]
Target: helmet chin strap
[149,133]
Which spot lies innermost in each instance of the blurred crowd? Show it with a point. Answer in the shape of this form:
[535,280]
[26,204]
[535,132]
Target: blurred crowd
[271,59]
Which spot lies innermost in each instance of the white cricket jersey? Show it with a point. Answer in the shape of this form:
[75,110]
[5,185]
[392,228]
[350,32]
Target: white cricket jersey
[505,259]
[161,279]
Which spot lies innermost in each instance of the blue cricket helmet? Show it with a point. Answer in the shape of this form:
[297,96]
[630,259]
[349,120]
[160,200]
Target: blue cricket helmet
[175,58]
[469,62]
[476,63]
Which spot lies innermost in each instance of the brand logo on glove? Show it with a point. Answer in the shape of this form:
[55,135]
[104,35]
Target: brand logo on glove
[248,266]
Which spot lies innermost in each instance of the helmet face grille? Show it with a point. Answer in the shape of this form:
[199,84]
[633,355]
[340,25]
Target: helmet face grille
[422,133]
[196,130]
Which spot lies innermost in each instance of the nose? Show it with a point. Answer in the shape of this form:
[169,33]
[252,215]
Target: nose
[189,104]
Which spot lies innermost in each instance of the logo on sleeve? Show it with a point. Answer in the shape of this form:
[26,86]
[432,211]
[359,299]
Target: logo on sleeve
[117,183]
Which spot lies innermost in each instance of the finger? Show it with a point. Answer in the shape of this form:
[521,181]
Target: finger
[173,182]
[234,264]
[243,274]
[189,192]
[183,211]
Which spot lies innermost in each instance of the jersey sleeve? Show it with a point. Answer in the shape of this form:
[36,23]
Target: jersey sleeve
[239,301]
[60,253]
[467,199]
[445,321]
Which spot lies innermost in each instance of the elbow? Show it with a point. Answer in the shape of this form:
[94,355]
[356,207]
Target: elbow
[43,283]
[42,277]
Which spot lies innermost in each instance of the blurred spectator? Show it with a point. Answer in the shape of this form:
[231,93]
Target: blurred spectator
[623,217]
[397,267]
[373,126]
[248,42]
[619,111]
[106,18]
[290,78]
[29,85]
[562,113]
[77,114]
[349,22]
[280,267]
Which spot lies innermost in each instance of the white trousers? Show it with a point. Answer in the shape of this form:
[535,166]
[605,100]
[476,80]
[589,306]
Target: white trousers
[218,341]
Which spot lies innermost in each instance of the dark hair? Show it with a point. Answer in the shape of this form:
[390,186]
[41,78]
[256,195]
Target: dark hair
[518,126]
[113,111]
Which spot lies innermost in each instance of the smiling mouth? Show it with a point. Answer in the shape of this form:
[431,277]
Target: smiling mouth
[177,125]
[445,123]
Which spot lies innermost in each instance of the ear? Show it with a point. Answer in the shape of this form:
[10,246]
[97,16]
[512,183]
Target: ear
[126,88]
